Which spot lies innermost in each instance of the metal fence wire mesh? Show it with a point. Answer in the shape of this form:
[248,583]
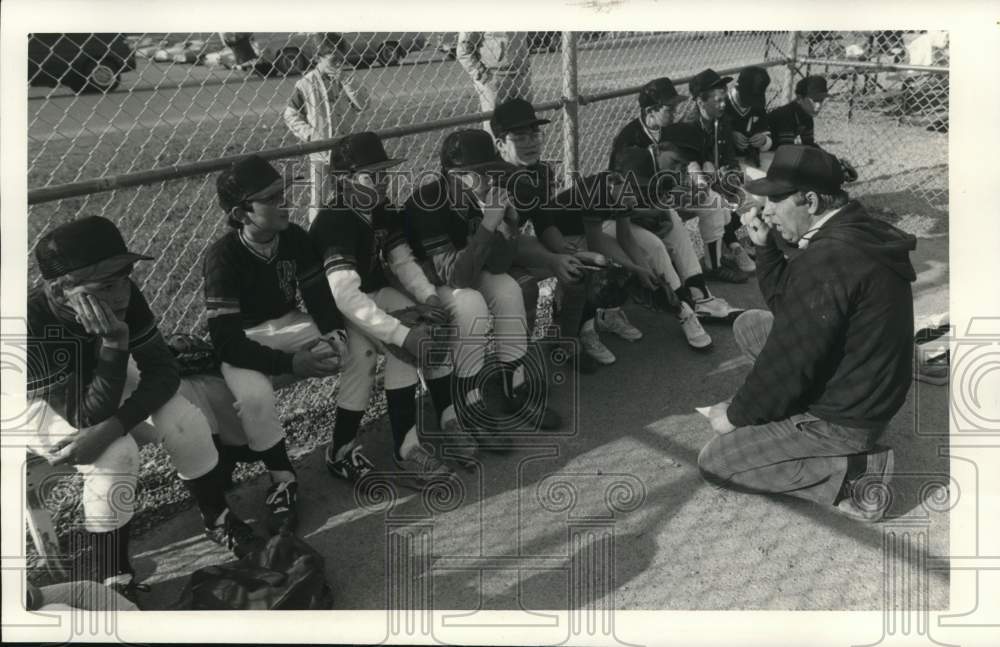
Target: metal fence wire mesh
[103,105]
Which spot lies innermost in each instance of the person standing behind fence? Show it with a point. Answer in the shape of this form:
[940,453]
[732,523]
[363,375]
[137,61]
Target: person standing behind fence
[499,63]
[323,104]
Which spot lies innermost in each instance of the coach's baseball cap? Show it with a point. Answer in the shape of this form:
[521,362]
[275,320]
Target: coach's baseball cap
[659,92]
[705,80]
[470,150]
[84,243]
[813,87]
[686,136]
[799,168]
[513,114]
[361,152]
[752,85]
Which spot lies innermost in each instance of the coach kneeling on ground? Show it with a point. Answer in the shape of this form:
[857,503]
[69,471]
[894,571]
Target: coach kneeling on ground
[832,359]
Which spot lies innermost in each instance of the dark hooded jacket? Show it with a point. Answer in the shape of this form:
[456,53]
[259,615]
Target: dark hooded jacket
[841,347]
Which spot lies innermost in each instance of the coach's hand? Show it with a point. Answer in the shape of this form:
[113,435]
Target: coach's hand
[756,227]
[87,444]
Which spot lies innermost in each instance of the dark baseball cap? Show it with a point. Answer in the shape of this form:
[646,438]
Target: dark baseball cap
[251,178]
[813,87]
[361,152]
[799,168]
[83,243]
[706,80]
[470,150]
[687,137]
[513,114]
[659,92]
[752,85]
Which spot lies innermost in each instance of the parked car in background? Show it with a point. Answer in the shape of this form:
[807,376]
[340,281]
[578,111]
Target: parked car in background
[538,41]
[289,54]
[83,62]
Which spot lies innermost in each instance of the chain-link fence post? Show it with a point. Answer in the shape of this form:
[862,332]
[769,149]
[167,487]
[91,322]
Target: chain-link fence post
[571,130]
[793,54]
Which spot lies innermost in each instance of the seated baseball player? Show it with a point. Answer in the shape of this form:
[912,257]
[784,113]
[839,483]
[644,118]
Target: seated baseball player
[252,275]
[98,368]
[462,229]
[793,123]
[725,258]
[658,102]
[746,113]
[832,357]
[353,235]
[518,138]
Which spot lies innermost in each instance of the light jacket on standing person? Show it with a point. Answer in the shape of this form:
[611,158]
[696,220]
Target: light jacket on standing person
[486,54]
[322,106]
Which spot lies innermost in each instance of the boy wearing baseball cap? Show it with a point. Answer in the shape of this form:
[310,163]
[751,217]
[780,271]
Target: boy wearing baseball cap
[658,102]
[793,123]
[356,238]
[725,258]
[98,367]
[746,113]
[463,229]
[833,355]
[252,275]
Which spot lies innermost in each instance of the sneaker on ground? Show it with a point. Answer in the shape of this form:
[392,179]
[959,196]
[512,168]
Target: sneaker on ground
[281,503]
[234,534]
[613,320]
[727,272]
[696,336]
[422,466]
[867,496]
[460,443]
[742,258]
[593,345]
[715,309]
[352,466]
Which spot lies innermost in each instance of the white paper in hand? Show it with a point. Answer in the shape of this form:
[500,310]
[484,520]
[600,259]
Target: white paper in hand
[703,410]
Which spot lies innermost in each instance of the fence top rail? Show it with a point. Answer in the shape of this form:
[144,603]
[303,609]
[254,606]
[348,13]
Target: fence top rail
[179,171]
[881,67]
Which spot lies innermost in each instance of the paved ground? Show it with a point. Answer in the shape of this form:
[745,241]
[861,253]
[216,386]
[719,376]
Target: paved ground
[525,526]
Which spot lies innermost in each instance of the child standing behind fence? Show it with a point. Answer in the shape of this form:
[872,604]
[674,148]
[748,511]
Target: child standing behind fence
[324,103]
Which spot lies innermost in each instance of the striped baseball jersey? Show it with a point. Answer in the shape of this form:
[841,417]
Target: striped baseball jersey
[244,288]
[82,380]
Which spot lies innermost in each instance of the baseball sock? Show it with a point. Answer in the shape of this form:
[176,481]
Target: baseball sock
[277,462]
[713,251]
[467,393]
[402,407]
[345,430]
[440,390]
[729,233]
[109,554]
[589,312]
[208,491]
[510,373]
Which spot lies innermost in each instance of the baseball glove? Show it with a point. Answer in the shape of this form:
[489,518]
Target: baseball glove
[195,355]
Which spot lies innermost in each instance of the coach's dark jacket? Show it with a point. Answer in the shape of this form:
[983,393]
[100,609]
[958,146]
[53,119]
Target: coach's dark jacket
[842,343]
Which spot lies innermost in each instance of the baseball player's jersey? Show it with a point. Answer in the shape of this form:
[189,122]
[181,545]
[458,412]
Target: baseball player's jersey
[346,240]
[442,231]
[243,288]
[82,380]
[790,124]
[632,134]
